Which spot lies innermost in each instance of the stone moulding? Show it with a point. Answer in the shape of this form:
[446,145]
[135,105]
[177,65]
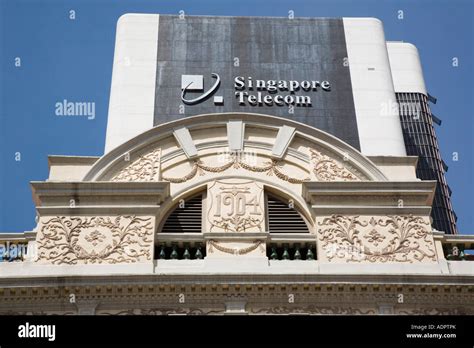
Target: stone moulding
[376,239]
[90,240]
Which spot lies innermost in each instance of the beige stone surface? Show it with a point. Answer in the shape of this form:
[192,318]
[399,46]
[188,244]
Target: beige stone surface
[95,239]
[375,239]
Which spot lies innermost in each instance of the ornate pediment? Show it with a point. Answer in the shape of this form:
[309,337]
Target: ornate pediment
[161,155]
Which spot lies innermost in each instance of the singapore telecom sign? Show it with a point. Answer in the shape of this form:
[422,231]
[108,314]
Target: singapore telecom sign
[250,92]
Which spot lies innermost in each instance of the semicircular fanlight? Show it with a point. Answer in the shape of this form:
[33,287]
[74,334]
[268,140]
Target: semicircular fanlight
[186,218]
[282,218]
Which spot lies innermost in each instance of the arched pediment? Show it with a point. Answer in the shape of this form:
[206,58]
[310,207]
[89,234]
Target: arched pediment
[279,149]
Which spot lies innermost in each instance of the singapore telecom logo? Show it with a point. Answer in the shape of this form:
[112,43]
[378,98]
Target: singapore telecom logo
[250,92]
[196,83]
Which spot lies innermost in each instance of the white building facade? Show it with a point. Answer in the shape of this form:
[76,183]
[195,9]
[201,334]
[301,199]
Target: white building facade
[252,166]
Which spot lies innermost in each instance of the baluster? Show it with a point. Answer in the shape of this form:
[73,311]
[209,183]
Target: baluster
[274,254]
[162,254]
[174,253]
[198,254]
[297,255]
[186,254]
[286,254]
[309,254]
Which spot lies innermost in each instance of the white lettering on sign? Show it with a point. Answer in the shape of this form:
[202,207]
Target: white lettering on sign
[256,92]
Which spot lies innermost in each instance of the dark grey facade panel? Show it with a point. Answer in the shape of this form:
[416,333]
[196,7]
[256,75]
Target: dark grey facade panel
[266,49]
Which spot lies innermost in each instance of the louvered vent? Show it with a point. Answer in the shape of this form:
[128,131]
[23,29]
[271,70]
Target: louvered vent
[283,219]
[187,219]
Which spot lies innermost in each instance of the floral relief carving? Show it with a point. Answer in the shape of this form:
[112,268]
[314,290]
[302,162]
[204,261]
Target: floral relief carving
[72,240]
[95,237]
[162,311]
[380,239]
[237,223]
[145,168]
[312,309]
[435,311]
[374,236]
[326,168]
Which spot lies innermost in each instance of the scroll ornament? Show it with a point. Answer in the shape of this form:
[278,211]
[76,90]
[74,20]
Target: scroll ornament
[326,168]
[108,240]
[381,239]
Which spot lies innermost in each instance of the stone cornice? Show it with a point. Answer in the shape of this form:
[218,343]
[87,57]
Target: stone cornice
[17,236]
[394,160]
[350,195]
[71,160]
[99,193]
[315,136]
[465,283]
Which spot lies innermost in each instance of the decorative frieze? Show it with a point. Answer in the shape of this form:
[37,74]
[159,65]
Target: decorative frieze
[162,311]
[312,309]
[376,239]
[96,239]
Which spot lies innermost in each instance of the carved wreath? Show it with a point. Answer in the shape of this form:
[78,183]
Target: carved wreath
[408,239]
[63,240]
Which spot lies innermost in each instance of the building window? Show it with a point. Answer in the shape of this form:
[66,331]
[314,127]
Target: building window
[282,217]
[181,237]
[186,217]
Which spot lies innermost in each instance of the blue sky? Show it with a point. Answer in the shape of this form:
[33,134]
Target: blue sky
[72,59]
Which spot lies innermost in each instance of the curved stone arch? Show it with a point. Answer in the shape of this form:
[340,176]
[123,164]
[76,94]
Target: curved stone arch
[301,206]
[146,143]
[279,191]
[172,203]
